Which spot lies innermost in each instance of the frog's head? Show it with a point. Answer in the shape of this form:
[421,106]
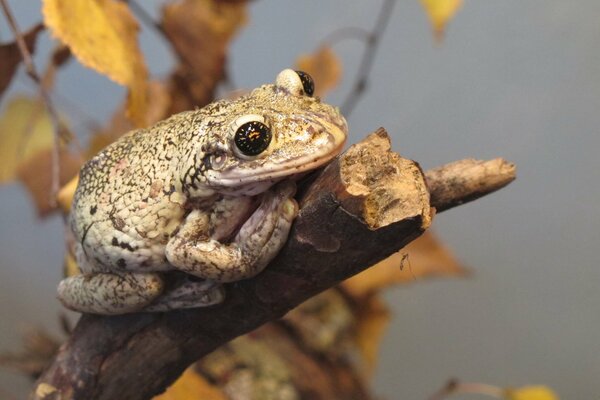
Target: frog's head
[277,131]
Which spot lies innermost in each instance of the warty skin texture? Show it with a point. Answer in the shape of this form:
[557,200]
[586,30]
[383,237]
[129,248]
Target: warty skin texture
[165,214]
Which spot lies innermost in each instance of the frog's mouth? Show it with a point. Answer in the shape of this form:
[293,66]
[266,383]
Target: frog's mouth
[258,175]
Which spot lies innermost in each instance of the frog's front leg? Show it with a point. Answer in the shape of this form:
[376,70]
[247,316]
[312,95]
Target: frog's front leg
[258,241]
[110,293]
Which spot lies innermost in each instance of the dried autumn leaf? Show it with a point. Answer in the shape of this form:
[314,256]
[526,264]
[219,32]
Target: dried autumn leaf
[137,102]
[70,267]
[65,195]
[119,124]
[39,347]
[46,391]
[36,175]
[10,56]
[531,393]
[439,13]
[157,109]
[191,386]
[325,68]
[372,319]
[25,128]
[424,257]
[102,34]
[200,32]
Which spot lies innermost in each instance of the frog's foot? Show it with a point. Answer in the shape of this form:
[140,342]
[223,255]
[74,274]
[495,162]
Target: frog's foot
[188,293]
[110,293]
[258,241]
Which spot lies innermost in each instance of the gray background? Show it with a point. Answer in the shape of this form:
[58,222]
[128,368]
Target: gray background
[514,78]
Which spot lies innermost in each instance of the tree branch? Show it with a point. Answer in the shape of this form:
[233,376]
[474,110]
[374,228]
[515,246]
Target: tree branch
[466,180]
[360,209]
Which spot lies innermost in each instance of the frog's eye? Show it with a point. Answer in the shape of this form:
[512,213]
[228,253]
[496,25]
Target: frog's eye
[307,82]
[252,138]
[296,82]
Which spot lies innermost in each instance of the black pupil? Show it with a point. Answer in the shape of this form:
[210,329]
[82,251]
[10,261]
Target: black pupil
[307,82]
[252,138]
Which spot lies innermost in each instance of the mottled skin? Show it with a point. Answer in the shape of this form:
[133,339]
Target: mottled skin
[165,214]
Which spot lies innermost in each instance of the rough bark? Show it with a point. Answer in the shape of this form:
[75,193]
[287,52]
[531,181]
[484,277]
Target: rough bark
[363,207]
[466,180]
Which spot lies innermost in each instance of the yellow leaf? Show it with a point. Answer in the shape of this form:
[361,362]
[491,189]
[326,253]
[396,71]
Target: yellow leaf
[70,267]
[43,390]
[66,193]
[424,257]
[137,102]
[439,13]
[372,317]
[325,68]
[36,173]
[191,386]
[102,34]
[25,128]
[531,393]
[118,125]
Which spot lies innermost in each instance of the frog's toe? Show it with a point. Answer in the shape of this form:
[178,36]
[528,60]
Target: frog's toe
[189,294]
[287,212]
[109,294]
[290,209]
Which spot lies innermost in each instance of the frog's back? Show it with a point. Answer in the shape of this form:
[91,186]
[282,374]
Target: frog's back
[129,199]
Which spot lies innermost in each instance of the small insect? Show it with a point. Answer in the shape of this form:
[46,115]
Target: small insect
[405,259]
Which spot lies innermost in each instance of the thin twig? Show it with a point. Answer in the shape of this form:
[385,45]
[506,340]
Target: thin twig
[446,391]
[366,62]
[32,72]
[64,103]
[146,18]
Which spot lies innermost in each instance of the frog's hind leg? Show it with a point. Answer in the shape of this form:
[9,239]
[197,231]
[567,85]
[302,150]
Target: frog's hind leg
[189,292]
[110,293]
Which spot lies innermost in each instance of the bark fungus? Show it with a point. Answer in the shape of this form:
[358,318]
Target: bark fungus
[363,207]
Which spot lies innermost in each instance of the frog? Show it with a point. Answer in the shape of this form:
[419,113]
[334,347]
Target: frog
[164,217]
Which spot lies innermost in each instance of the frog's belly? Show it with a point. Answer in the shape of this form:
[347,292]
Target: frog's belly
[135,243]
[103,251]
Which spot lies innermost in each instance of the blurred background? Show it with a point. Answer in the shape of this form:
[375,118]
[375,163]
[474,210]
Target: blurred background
[516,79]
